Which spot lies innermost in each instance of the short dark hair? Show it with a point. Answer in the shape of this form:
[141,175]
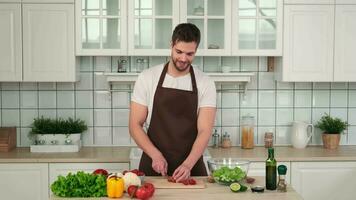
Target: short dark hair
[186,32]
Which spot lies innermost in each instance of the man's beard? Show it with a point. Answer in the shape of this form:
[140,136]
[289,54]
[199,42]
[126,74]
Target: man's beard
[180,69]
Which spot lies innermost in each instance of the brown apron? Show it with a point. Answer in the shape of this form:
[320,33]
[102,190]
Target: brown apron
[173,127]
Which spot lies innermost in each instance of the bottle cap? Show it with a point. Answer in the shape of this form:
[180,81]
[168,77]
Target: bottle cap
[282,169]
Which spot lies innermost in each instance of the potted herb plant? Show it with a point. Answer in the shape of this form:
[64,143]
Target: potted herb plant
[333,127]
[57,131]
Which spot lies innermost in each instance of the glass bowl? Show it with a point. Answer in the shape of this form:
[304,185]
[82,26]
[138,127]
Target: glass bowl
[228,170]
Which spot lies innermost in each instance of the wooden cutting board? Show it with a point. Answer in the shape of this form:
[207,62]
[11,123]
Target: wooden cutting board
[162,183]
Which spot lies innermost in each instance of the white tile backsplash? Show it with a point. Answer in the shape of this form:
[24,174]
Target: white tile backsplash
[266,116]
[352,116]
[248,99]
[10,86]
[230,100]
[352,98]
[102,117]
[338,98]
[48,113]
[84,99]
[273,104]
[230,117]
[65,113]
[28,86]
[102,136]
[102,99]
[10,117]
[24,137]
[27,117]
[47,99]
[285,98]
[266,80]
[29,99]
[266,98]
[303,114]
[284,116]
[121,136]
[249,64]
[86,81]
[120,100]
[10,99]
[321,98]
[86,115]
[121,117]
[283,135]
[303,98]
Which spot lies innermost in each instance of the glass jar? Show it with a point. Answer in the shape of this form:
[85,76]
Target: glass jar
[247,132]
[269,139]
[226,142]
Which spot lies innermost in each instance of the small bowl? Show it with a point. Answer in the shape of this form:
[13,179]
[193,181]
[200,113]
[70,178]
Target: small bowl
[230,164]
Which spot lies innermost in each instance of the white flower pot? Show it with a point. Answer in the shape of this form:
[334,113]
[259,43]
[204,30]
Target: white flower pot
[58,138]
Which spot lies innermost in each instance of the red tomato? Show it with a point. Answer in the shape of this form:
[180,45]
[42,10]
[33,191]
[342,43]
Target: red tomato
[150,187]
[146,191]
[192,181]
[101,171]
[131,190]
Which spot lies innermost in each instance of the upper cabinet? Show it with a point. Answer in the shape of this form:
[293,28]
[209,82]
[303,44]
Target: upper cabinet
[318,43]
[144,27]
[150,25]
[11,42]
[213,18]
[345,43]
[101,27]
[257,28]
[38,41]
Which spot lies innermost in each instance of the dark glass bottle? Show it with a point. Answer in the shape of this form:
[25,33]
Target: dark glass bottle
[271,171]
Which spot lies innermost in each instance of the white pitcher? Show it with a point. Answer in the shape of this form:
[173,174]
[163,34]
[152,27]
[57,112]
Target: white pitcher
[300,134]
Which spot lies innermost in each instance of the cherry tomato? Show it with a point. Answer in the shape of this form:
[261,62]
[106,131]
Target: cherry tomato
[101,171]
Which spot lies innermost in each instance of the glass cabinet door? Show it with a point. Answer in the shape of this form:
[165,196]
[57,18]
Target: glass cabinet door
[212,17]
[151,23]
[257,27]
[102,27]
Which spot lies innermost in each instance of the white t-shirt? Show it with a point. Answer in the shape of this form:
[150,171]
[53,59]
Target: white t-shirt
[146,84]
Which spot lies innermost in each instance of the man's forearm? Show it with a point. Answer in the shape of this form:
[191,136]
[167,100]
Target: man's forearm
[198,148]
[142,140]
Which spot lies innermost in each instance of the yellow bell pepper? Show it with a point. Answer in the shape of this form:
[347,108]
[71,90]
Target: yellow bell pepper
[115,187]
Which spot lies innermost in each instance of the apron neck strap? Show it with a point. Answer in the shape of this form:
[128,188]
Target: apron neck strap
[192,76]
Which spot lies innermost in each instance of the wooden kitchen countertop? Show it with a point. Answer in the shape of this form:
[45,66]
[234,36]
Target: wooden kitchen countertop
[212,191]
[121,154]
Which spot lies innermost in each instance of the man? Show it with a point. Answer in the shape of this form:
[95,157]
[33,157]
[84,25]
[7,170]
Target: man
[178,102]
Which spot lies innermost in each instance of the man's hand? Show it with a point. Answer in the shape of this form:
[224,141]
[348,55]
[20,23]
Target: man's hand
[181,173]
[159,164]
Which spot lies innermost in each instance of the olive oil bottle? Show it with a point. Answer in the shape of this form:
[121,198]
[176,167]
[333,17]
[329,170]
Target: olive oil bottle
[271,171]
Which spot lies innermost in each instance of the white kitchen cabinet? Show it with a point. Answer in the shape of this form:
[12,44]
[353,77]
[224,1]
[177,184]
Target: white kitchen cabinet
[345,43]
[101,27]
[257,28]
[308,44]
[39,42]
[48,43]
[259,169]
[11,42]
[213,18]
[56,169]
[324,180]
[150,26]
[318,43]
[24,181]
